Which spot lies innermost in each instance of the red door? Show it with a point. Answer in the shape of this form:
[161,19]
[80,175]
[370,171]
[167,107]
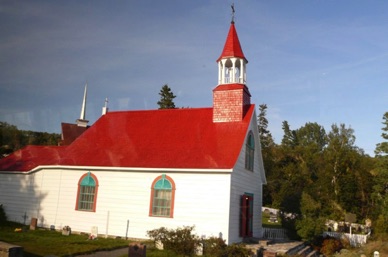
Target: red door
[246,215]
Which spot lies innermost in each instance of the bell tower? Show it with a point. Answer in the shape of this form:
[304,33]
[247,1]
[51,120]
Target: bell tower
[231,97]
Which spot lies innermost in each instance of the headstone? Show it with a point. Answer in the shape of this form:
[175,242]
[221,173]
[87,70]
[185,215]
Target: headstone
[376,254]
[199,250]
[33,223]
[350,217]
[137,250]
[94,232]
[159,245]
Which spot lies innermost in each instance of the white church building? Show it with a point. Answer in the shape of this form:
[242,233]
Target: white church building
[134,171]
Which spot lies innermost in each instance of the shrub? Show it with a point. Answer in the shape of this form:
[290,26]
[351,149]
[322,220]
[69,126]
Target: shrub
[216,247]
[183,242]
[237,250]
[3,216]
[331,246]
[180,240]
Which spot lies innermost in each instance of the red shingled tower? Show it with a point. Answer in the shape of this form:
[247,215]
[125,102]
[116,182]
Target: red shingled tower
[231,98]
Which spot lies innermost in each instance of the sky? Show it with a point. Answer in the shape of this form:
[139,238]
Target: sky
[323,61]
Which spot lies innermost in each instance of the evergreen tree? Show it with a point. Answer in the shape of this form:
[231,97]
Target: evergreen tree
[265,135]
[310,224]
[267,149]
[380,188]
[166,98]
[382,148]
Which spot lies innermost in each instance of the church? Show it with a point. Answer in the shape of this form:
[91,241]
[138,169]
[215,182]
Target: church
[135,171]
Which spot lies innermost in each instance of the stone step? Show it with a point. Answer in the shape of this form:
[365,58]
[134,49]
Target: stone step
[313,253]
[305,251]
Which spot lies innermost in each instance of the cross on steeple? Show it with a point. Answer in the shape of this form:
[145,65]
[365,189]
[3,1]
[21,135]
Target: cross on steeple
[232,6]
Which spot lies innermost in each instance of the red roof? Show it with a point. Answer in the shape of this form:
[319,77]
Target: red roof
[232,46]
[170,138]
[32,156]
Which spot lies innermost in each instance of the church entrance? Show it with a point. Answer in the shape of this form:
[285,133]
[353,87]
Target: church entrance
[246,215]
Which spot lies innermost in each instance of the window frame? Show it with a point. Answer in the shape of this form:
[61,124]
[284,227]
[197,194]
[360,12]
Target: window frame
[79,191]
[153,194]
[250,152]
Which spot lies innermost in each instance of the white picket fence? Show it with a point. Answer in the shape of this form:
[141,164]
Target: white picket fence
[275,233]
[354,239]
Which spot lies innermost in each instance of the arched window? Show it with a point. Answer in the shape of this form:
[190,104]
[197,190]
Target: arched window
[87,193]
[249,152]
[162,197]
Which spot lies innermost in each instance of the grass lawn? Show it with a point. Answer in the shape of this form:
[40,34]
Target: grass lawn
[37,243]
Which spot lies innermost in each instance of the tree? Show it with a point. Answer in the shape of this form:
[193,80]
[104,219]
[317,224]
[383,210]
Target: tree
[311,224]
[265,135]
[382,148]
[289,137]
[267,150]
[166,98]
[380,188]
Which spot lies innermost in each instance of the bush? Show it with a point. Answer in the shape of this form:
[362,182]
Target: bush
[3,216]
[237,250]
[181,240]
[331,246]
[214,246]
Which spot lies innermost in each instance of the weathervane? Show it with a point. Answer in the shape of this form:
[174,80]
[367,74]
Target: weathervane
[232,6]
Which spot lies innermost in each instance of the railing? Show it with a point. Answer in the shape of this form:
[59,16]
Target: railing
[354,239]
[228,80]
[275,233]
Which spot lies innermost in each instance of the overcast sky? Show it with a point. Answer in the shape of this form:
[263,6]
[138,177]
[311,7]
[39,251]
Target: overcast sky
[323,61]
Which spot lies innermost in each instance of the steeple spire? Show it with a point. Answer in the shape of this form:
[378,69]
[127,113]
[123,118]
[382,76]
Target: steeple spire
[232,62]
[82,122]
[83,109]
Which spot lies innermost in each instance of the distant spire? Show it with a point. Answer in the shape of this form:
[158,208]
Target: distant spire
[82,122]
[105,108]
[83,109]
[232,6]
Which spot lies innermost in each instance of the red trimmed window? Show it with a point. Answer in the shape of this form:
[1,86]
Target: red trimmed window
[249,152]
[162,197]
[87,193]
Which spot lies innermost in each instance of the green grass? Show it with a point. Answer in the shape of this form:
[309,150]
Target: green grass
[37,243]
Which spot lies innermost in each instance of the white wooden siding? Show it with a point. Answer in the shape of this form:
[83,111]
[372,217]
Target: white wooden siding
[245,181]
[50,195]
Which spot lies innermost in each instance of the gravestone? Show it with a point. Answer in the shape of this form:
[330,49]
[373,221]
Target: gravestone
[376,254]
[33,223]
[94,232]
[137,250]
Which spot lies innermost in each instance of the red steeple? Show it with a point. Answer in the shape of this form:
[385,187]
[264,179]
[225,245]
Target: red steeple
[231,98]
[232,46]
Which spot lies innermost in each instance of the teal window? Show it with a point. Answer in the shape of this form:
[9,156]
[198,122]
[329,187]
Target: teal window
[87,193]
[162,197]
[249,152]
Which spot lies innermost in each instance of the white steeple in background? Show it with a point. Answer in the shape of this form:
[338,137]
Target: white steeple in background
[82,122]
